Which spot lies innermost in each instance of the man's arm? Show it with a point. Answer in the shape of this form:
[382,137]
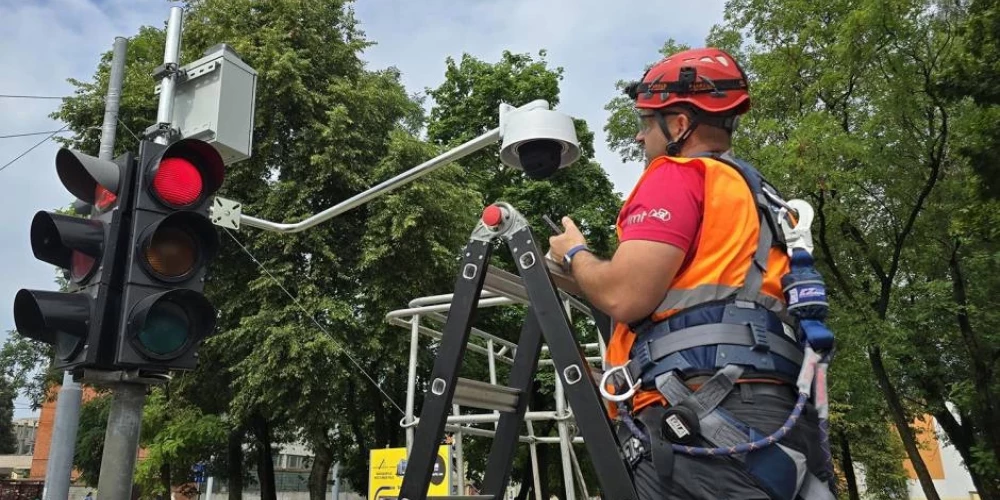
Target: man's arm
[630,285]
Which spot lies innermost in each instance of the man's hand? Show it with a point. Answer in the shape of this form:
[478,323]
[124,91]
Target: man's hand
[561,243]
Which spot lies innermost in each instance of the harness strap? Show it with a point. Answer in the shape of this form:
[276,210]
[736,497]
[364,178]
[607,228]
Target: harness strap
[646,355]
[707,398]
[755,274]
[660,451]
[713,424]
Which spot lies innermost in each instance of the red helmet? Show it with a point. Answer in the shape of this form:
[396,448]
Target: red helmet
[707,79]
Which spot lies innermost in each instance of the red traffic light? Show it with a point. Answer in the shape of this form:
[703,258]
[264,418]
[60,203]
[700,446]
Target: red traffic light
[177,182]
[188,171]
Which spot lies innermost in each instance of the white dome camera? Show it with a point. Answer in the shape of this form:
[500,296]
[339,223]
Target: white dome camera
[536,139]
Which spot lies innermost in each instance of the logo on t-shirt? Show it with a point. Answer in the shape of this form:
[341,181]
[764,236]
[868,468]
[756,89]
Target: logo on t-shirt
[656,213]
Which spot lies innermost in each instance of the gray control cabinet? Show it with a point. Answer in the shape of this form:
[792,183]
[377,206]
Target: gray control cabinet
[215,103]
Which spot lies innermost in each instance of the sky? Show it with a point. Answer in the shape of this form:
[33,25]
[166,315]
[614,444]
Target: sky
[44,42]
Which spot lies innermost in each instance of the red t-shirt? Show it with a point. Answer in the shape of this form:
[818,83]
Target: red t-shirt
[667,207]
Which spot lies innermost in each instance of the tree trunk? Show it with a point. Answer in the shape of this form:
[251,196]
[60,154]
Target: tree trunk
[980,355]
[235,464]
[265,459]
[847,466]
[319,473]
[165,467]
[898,415]
[543,468]
[526,482]
[962,437]
[165,478]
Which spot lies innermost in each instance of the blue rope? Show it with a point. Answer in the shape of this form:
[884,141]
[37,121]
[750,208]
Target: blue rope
[824,433]
[752,446]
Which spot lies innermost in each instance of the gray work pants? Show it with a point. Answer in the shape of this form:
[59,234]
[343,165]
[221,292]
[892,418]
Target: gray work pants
[716,478]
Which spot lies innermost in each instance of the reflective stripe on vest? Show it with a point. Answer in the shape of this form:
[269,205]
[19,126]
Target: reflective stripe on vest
[683,299]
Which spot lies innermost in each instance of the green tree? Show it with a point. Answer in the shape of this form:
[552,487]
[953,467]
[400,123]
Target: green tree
[175,436]
[8,441]
[24,363]
[973,69]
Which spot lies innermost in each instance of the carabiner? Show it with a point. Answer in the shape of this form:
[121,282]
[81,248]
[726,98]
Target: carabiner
[617,398]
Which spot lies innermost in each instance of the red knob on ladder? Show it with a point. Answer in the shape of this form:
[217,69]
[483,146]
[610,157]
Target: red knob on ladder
[492,216]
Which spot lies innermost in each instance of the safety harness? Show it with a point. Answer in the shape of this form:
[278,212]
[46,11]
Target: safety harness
[731,340]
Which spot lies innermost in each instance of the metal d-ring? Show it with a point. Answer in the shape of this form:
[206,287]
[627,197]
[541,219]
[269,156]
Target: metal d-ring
[617,398]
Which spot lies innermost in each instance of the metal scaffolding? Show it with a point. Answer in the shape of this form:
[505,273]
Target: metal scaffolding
[501,289]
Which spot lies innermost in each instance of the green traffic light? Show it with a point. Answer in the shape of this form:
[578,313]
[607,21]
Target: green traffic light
[165,329]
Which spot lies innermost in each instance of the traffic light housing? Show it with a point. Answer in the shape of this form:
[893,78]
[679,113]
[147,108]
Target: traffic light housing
[171,240]
[79,322]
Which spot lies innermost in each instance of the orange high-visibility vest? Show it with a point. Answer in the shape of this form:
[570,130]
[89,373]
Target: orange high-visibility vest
[724,253]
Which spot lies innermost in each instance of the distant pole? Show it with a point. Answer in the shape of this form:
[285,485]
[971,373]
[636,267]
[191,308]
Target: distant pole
[63,445]
[113,99]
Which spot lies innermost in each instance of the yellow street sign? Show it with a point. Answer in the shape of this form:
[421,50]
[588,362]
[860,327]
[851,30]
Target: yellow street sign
[387,466]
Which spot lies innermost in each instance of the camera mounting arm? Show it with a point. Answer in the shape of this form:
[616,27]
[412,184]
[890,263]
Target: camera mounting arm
[535,139]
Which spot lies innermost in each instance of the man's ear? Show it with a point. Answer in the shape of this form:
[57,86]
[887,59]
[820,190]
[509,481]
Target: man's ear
[681,123]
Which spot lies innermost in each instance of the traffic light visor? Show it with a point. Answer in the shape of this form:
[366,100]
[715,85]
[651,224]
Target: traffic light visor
[55,318]
[90,179]
[72,243]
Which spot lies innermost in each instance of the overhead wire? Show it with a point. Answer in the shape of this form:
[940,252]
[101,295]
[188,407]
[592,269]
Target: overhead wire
[28,134]
[32,148]
[23,96]
[317,323]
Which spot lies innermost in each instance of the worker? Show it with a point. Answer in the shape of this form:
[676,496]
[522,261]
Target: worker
[704,345]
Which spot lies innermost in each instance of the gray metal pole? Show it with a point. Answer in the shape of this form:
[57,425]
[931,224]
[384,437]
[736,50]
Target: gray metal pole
[63,444]
[121,442]
[411,380]
[67,421]
[121,439]
[171,55]
[400,180]
[113,99]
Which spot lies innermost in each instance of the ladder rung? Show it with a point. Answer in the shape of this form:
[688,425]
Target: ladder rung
[486,396]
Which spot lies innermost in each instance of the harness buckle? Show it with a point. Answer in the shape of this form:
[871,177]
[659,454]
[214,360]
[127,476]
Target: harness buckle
[759,333]
[633,450]
[605,382]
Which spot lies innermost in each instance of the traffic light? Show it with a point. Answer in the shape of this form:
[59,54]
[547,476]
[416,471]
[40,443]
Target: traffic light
[77,322]
[164,314]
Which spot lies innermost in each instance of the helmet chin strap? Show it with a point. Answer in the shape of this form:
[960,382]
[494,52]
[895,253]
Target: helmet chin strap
[674,146]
